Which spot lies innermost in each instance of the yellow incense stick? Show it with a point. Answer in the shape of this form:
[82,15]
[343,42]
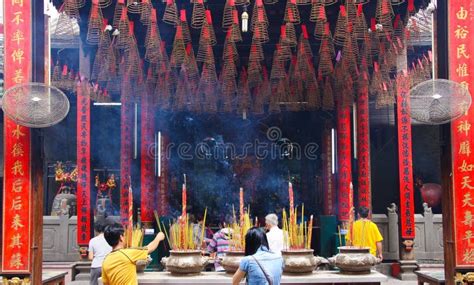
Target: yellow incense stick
[203,226]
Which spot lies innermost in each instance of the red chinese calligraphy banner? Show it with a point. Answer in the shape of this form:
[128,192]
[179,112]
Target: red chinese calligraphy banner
[363,149]
[405,162]
[327,175]
[344,158]
[125,156]
[163,201]
[83,164]
[148,188]
[17,228]
[461,62]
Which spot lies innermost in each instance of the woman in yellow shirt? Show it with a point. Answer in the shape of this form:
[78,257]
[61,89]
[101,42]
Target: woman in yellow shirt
[365,233]
[119,266]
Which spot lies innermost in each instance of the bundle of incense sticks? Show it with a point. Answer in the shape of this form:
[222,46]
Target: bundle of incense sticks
[239,230]
[297,235]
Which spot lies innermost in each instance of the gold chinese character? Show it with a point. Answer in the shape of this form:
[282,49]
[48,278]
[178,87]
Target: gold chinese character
[16,241]
[466,167]
[461,32]
[464,126]
[17,204]
[17,18]
[17,2]
[18,150]
[462,71]
[465,84]
[467,200]
[465,183]
[468,218]
[18,55]
[462,14]
[15,261]
[17,186]
[16,133]
[17,168]
[468,255]
[461,51]
[17,223]
[18,36]
[465,148]
[18,77]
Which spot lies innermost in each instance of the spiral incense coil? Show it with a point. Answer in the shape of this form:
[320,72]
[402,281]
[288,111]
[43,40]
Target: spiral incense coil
[341,26]
[94,28]
[397,2]
[384,11]
[122,41]
[303,41]
[259,16]
[303,2]
[255,73]
[104,3]
[360,24]
[260,34]
[325,58]
[290,32]
[376,80]
[100,68]
[146,12]
[351,9]
[363,80]
[318,11]
[199,14]
[374,42]
[385,97]
[270,2]
[399,31]
[178,54]
[292,14]
[285,53]
[364,54]
[228,16]
[278,67]
[70,8]
[153,51]
[171,13]
[134,6]
[184,26]
[229,70]
[119,7]
[256,51]
[203,53]
[132,60]
[65,26]
[191,65]
[207,36]
[230,50]
[236,35]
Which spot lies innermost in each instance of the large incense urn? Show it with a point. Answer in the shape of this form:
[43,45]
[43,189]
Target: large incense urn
[354,260]
[300,261]
[231,260]
[184,262]
[64,204]
[142,264]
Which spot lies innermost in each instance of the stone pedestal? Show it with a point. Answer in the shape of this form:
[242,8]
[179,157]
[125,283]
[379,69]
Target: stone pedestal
[83,269]
[407,270]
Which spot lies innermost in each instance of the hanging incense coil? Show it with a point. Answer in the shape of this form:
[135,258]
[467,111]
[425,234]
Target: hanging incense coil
[290,33]
[243,97]
[256,51]
[146,12]
[205,54]
[71,8]
[94,27]
[104,3]
[292,14]
[178,54]
[303,2]
[397,2]
[385,97]
[236,35]
[303,42]
[270,2]
[341,26]
[171,13]
[153,51]
[255,73]
[228,16]
[184,26]
[207,30]
[199,14]
[384,14]
[100,67]
[360,24]
[376,80]
[330,2]
[132,60]
[374,41]
[278,67]
[327,103]
[122,41]
[259,16]
[192,68]
[318,11]
[118,14]
[351,9]
[134,6]
[230,49]
[65,27]
[260,33]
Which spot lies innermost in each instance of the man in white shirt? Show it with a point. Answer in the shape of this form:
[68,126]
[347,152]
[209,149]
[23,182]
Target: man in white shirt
[274,234]
[98,249]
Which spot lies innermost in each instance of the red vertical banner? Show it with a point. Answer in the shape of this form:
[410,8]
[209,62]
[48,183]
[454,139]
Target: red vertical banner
[461,64]
[344,167]
[16,223]
[327,175]
[163,183]
[147,180]
[405,162]
[83,164]
[125,155]
[363,149]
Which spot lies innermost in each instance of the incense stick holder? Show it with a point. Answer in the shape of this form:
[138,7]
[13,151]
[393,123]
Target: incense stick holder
[354,260]
[231,260]
[185,262]
[300,261]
